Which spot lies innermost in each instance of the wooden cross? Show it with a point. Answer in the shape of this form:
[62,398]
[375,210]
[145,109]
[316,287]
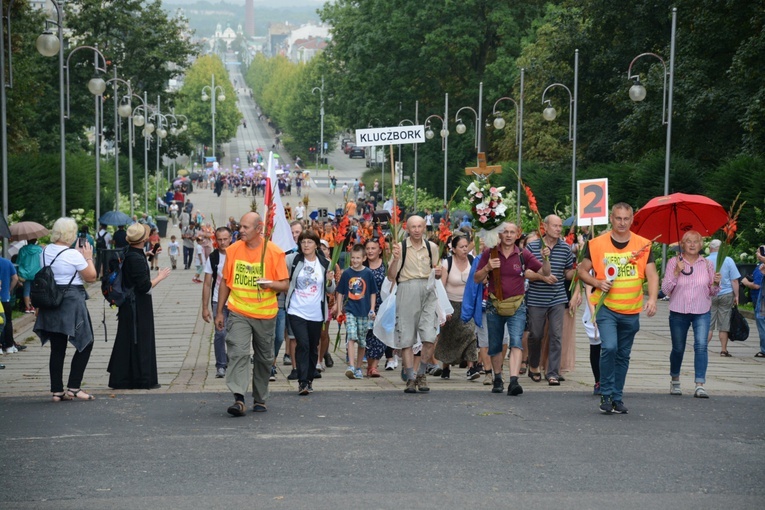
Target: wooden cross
[482,169]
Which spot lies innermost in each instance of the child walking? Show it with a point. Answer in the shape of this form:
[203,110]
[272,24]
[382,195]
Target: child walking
[358,283]
[173,250]
[199,261]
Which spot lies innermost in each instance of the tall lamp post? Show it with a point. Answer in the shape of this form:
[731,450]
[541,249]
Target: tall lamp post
[122,109]
[429,134]
[161,123]
[549,115]
[142,119]
[499,123]
[209,92]
[638,93]
[321,115]
[3,112]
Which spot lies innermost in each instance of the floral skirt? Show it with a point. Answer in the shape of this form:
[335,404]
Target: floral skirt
[375,347]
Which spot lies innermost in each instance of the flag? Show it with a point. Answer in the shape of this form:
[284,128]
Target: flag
[282,233]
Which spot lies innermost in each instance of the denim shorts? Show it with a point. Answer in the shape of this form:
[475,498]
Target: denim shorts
[496,326]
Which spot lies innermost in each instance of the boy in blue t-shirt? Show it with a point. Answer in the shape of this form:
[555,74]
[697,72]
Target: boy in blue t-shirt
[358,283]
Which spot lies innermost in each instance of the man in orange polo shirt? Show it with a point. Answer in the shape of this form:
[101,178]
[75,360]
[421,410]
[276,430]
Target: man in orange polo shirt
[248,288]
[618,320]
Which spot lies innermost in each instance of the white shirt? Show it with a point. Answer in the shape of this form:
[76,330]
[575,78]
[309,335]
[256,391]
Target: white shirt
[71,262]
[299,212]
[200,256]
[218,276]
[305,301]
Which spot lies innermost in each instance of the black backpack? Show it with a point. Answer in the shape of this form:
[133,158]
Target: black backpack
[739,327]
[113,285]
[45,293]
[101,242]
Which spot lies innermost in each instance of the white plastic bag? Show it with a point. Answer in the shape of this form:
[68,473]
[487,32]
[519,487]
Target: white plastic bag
[443,306]
[385,321]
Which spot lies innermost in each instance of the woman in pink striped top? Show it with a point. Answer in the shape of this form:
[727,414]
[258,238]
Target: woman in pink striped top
[690,282]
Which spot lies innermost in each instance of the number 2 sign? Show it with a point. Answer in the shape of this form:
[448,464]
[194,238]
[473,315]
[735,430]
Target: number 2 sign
[592,202]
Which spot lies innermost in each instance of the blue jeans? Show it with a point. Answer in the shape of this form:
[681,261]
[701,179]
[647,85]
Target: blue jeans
[219,340]
[761,331]
[281,322]
[617,332]
[495,325]
[678,328]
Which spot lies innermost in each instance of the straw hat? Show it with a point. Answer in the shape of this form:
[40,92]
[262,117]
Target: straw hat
[137,233]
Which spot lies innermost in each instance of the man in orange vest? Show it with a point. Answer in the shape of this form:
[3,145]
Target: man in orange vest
[250,283]
[620,261]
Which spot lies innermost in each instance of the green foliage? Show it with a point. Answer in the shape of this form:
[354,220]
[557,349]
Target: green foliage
[228,117]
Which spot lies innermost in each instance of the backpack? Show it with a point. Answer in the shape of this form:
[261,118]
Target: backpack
[113,284]
[450,259]
[45,293]
[403,256]
[739,328]
[28,261]
[101,242]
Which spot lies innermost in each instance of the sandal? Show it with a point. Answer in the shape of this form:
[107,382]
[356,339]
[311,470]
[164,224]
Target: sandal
[760,355]
[60,397]
[535,376]
[553,381]
[78,395]
[725,354]
[259,407]
[373,372]
[237,409]
[524,366]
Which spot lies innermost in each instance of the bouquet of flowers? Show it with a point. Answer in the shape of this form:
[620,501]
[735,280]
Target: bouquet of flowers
[340,322]
[488,210]
[340,235]
[729,230]
[444,234]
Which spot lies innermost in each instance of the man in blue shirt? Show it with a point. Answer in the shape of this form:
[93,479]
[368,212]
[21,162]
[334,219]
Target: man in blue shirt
[8,281]
[723,302]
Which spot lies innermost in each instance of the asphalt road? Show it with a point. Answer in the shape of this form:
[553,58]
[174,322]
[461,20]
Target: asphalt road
[383,450]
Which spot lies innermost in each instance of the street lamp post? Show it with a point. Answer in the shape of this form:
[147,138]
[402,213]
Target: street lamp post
[161,121]
[549,114]
[123,109]
[321,114]
[638,93]
[142,119]
[499,123]
[429,134]
[3,112]
[208,92]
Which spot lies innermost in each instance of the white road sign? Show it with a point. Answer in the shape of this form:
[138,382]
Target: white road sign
[397,135]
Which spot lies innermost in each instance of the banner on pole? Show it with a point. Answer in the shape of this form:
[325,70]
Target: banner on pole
[395,135]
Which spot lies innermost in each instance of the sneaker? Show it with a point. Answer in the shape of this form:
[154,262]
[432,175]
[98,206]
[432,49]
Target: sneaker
[303,389]
[422,383]
[434,370]
[286,360]
[514,389]
[606,405]
[293,375]
[357,374]
[272,377]
[350,372]
[596,389]
[479,368]
[488,379]
[310,388]
[700,392]
[328,360]
[12,349]
[318,367]
[323,366]
[220,373]
[619,407]
[390,364]
[473,373]
[498,386]
[411,386]
[29,310]
[674,388]
[446,373]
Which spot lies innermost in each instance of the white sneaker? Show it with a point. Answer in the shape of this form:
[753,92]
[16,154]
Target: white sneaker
[11,350]
[319,367]
[390,364]
[323,366]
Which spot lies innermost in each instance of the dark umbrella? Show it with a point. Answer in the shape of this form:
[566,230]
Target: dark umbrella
[115,218]
[569,221]
[195,176]
[671,216]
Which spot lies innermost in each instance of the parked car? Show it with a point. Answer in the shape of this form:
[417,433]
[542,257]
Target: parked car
[348,147]
[356,152]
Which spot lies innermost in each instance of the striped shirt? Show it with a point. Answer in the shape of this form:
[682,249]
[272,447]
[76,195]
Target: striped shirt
[561,258]
[690,293]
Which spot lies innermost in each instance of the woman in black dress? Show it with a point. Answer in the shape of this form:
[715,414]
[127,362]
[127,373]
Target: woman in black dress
[133,364]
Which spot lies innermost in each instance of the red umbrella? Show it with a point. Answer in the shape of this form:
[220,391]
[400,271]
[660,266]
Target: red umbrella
[673,215]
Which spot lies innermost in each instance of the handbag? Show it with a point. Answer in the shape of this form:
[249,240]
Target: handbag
[505,307]
[739,327]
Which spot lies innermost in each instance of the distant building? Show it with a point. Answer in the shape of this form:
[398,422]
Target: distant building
[228,35]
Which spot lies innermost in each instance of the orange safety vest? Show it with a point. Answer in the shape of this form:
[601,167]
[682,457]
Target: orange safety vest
[626,294]
[243,269]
